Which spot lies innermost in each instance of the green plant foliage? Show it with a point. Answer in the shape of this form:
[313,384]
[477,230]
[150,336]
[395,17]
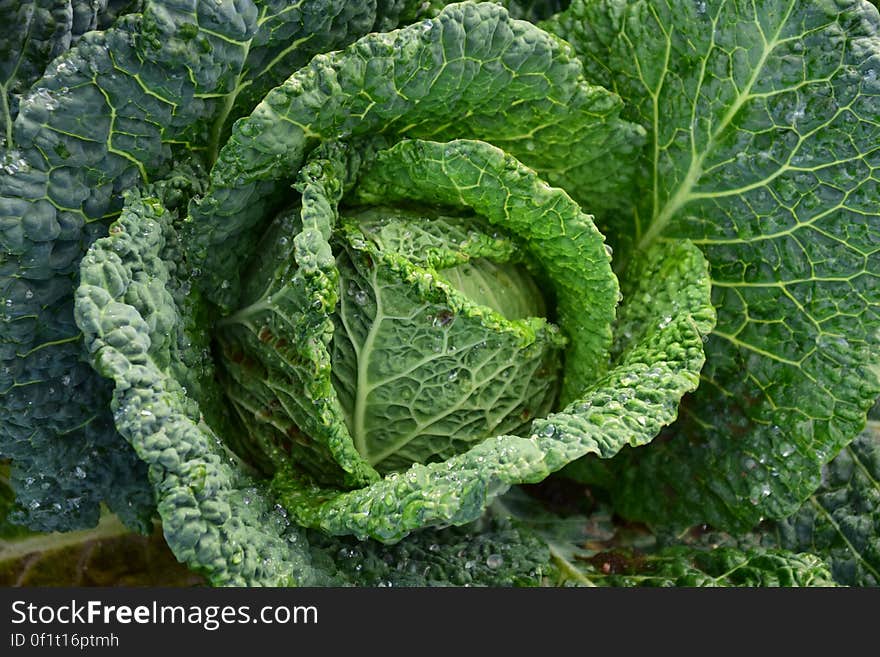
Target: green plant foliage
[593,550]
[43,30]
[761,121]
[842,518]
[108,115]
[322,287]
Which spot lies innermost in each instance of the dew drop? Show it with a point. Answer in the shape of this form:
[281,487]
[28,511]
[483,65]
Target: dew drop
[548,431]
[494,561]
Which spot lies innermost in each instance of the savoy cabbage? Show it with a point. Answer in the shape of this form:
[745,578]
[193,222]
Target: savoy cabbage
[396,292]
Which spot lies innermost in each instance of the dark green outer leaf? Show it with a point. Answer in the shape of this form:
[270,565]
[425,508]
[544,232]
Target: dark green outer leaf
[841,521]
[491,551]
[109,114]
[763,151]
[593,550]
[215,519]
[37,32]
[80,140]
[42,32]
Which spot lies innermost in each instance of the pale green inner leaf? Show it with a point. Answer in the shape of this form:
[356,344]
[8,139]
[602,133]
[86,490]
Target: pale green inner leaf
[422,368]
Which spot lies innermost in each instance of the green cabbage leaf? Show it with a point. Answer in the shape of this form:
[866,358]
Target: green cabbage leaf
[761,121]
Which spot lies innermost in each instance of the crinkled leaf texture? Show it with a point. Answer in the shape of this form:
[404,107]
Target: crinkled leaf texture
[452,75]
[481,343]
[218,519]
[214,516]
[470,73]
[418,367]
[762,122]
[43,30]
[110,114]
[561,241]
[841,520]
[626,407]
[221,522]
[493,551]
